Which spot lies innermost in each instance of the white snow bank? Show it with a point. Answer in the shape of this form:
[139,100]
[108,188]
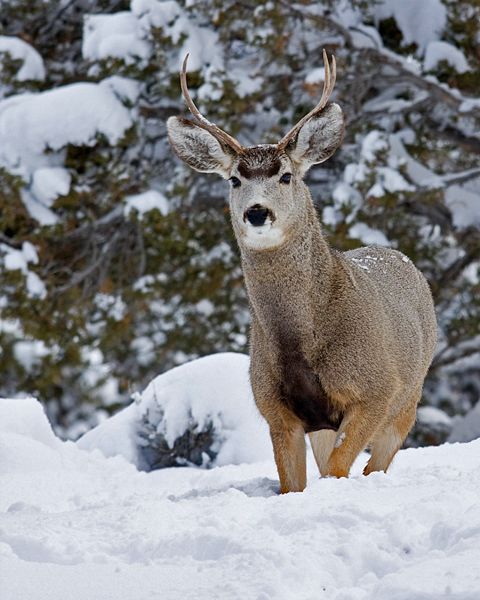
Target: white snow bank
[26,417]
[75,525]
[32,63]
[437,51]
[73,114]
[214,389]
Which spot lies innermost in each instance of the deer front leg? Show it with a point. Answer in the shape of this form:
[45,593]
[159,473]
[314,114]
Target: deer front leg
[290,457]
[357,429]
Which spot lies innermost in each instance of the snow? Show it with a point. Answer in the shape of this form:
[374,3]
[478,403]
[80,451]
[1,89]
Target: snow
[145,202]
[364,36]
[201,43]
[472,273]
[72,114]
[393,181]
[32,68]
[244,83]
[430,414]
[466,428]
[115,436]
[343,195]
[373,143]
[438,51]
[368,235]
[76,525]
[417,172]
[118,36]
[419,22]
[376,191]
[125,89]
[50,183]
[38,210]
[315,76]
[18,260]
[214,389]
[29,353]
[464,204]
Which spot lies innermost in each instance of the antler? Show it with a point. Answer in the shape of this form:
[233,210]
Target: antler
[328,85]
[201,121]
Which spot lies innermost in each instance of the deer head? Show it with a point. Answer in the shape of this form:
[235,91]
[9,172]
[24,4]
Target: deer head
[268,198]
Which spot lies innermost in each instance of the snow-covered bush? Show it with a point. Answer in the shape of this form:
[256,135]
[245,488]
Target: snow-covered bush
[201,413]
[136,269]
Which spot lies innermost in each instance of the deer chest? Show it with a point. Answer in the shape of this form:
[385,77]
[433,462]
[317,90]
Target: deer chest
[304,395]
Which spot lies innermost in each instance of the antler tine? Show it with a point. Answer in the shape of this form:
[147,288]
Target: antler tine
[202,122]
[328,85]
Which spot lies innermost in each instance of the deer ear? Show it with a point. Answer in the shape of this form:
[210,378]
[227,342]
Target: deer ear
[318,139]
[198,148]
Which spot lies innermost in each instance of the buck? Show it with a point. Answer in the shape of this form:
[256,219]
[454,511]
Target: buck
[340,342]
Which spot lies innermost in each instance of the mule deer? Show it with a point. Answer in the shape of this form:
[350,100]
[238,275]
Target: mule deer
[340,342]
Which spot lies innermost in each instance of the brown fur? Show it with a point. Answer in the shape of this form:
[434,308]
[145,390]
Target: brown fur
[259,162]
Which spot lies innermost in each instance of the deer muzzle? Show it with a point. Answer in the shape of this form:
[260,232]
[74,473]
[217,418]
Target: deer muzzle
[257,215]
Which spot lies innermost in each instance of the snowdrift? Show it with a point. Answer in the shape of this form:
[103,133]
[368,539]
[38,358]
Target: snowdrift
[200,413]
[75,525]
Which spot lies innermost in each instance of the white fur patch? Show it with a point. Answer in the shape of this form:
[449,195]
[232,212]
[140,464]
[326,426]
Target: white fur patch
[339,440]
[263,237]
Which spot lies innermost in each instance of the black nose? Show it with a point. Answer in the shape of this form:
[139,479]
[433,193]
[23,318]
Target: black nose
[256,215]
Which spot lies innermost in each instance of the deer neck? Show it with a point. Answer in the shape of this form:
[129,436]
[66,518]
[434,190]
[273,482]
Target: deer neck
[290,286]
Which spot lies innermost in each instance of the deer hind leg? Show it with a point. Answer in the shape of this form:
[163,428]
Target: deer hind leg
[356,431]
[290,457]
[389,440]
[322,445]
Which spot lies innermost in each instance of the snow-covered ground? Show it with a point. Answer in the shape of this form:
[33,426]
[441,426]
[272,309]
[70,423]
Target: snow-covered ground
[77,525]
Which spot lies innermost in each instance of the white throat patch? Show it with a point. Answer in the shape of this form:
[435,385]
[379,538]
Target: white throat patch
[262,237]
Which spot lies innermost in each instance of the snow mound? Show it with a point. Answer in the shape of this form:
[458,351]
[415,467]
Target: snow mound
[76,525]
[26,417]
[27,442]
[199,413]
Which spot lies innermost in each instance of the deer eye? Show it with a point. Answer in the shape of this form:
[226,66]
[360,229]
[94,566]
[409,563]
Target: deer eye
[285,178]
[235,182]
